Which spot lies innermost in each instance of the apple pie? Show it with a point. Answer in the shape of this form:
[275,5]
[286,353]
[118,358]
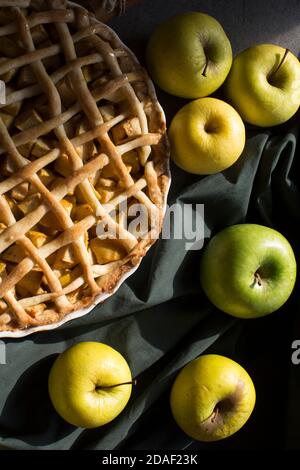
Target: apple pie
[82,141]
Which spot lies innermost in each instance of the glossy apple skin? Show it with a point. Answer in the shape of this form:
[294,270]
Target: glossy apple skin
[229,264]
[74,377]
[177,50]
[260,98]
[206,136]
[203,384]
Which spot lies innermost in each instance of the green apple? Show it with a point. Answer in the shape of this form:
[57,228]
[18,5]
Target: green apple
[189,55]
[212,398]
[248,270]
[90,384]
[264,85]
[206,136]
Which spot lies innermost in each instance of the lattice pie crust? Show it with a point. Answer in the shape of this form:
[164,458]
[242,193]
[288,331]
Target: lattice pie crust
[81,131]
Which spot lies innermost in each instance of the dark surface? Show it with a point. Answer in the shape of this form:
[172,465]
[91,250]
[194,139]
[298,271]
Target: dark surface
[173,322]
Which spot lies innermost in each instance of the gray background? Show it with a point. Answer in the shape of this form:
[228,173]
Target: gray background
[246,22]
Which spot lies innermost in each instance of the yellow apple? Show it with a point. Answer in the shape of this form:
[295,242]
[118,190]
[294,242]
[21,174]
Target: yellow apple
[90,384]
[264,84]
[212,398]
[189,55]
[207,136]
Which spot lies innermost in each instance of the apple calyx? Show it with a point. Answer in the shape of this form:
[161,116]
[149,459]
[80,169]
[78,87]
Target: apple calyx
[280,63]
[222,408]
[258,279]
[104,387]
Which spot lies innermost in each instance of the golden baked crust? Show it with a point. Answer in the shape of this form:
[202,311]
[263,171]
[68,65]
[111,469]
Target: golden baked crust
[80,133]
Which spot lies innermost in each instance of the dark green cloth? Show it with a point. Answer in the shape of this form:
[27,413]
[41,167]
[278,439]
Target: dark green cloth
[160,320]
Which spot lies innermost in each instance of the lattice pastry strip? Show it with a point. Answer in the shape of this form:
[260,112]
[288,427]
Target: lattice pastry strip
[85,134]
[92,111]
[55,109]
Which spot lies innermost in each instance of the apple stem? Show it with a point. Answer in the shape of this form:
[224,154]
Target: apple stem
[258,279]
[281,62]
[132,382]
[205,67]
[214,415]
